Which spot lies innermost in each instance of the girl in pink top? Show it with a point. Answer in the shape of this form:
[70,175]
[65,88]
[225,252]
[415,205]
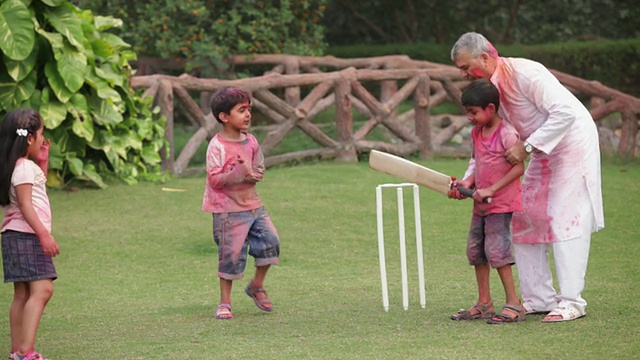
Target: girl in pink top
[489,239]
[27,244]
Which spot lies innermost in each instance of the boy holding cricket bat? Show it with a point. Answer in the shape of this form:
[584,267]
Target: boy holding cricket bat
[492,176]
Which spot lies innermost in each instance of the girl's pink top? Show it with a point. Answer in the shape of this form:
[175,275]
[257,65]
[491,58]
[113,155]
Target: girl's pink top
[27,172]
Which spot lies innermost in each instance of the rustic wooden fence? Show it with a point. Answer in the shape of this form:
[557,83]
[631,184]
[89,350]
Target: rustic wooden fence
[347,86]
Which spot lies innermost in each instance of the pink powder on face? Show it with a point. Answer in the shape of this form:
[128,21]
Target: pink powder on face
[476,73]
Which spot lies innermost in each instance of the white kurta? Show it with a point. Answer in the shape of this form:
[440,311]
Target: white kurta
[566,165]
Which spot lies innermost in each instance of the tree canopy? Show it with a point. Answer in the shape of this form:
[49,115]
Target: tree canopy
[502,21]
[203,32]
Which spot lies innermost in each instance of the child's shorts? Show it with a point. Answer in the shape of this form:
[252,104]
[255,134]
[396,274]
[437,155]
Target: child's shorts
[489,240]
[235,231]
[23,259]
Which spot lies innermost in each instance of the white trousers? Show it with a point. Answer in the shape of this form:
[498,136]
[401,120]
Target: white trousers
[536,280]
[570,258]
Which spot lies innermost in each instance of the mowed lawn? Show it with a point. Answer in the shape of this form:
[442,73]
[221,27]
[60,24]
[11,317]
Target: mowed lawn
[137,277]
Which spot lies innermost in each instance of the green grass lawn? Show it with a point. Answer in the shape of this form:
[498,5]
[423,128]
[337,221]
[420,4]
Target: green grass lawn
[138,277]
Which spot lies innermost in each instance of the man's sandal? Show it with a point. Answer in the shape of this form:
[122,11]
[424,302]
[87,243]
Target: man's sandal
[476,312]
[223,312]
[510,314]
[259,296]
[562,314]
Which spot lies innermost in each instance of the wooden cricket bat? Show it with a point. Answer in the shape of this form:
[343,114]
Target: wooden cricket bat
[415,173]
[410,171]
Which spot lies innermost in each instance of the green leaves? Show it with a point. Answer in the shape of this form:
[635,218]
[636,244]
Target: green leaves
[17,37]
[73,64]
[103,23]
[13,93]
[18,70]
[57,83]
[57,60]
[67,24]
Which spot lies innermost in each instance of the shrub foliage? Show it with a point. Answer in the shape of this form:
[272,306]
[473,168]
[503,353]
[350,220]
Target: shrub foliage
[62,61]
[203,32]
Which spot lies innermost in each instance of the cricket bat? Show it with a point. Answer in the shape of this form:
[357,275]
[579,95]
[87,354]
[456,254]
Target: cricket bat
[415,173]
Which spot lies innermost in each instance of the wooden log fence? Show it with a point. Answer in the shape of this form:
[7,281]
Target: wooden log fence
[347,88]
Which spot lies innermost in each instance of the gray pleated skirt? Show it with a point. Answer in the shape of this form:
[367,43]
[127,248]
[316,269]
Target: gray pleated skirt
[23,259]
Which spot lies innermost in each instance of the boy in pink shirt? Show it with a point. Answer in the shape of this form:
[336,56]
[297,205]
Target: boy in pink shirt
[489,239]
[240,224]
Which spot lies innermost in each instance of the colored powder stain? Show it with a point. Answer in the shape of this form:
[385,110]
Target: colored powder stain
[476,73]
[534,224]
[492,50]
[506,86]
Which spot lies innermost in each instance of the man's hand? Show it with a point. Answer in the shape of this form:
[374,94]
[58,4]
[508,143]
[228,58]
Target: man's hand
[516,153]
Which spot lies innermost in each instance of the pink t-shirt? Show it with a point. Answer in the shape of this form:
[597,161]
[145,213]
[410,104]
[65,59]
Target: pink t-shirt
[27,172]
[491,166]
[226,190]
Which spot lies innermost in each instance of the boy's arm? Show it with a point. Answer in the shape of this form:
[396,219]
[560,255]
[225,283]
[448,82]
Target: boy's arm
[219,175]
[258,163]
[515,172]
[255,167]
[468,182]
[48,243]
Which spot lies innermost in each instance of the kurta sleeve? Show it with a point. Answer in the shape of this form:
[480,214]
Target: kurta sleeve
[551,98]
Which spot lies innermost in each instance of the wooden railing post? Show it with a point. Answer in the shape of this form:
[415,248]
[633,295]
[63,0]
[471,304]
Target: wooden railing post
[292,94]
[165,101]
[344,120]
[629,133]
[421,109]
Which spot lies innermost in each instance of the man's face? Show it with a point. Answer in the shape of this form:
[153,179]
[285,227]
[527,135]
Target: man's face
[472,68]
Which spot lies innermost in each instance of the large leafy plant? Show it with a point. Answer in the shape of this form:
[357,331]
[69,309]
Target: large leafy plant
[62,61]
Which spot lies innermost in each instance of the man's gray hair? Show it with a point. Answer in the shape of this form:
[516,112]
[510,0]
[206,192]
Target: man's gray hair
[473,43]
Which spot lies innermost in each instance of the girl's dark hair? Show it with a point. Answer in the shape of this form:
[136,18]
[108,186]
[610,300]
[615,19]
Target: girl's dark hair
[481,93]
[14,146]
[223,100]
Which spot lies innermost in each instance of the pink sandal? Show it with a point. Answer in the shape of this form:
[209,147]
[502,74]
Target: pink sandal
[223,312]
[30,356]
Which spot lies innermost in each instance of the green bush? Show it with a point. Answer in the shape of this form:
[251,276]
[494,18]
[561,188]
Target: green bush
[61,61]
[613,63]
[203,32]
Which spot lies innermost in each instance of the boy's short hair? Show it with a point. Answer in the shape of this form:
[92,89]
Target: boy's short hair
[481,93]
[223,100]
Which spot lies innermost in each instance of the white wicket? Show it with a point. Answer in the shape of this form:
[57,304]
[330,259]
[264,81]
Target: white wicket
[403,249]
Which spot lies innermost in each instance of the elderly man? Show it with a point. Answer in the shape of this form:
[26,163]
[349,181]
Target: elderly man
[561,189]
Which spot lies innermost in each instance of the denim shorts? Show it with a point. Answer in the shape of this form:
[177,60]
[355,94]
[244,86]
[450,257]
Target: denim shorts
[23,259]
[239,233]
[489,240]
